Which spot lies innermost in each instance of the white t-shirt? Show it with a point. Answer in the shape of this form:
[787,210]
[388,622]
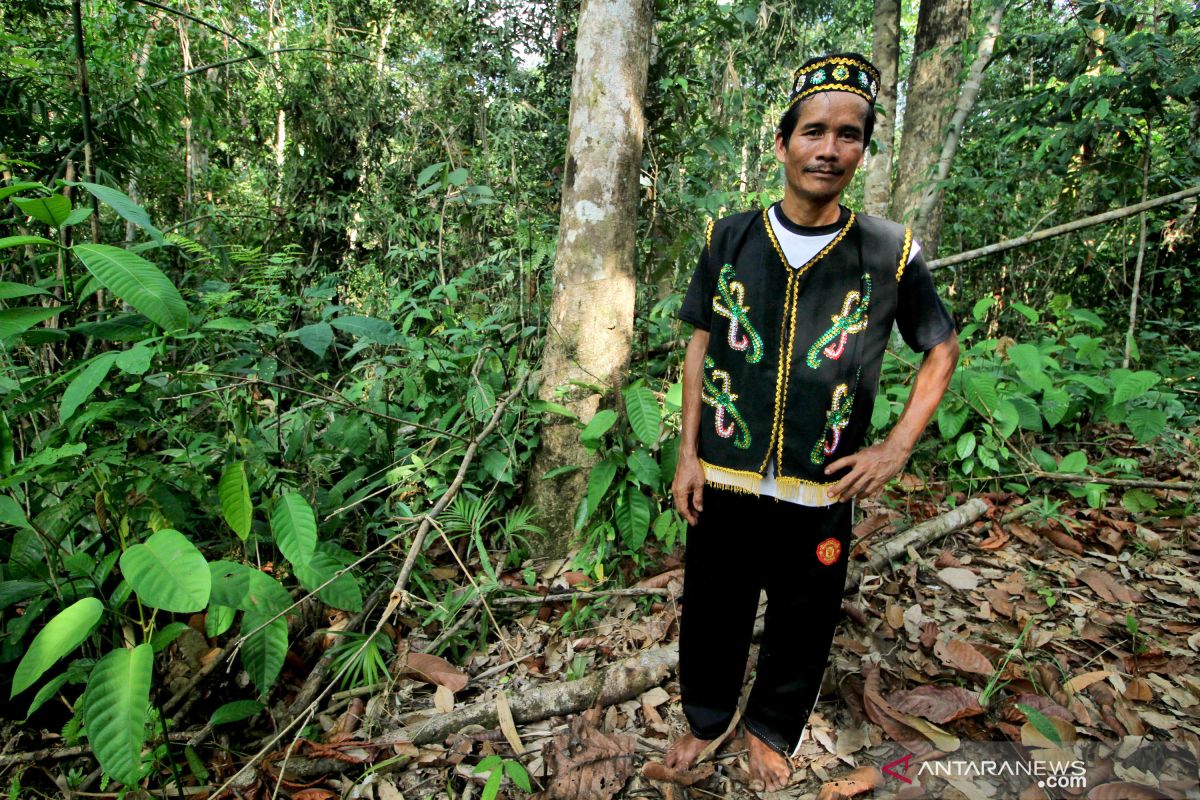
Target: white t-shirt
[799,248]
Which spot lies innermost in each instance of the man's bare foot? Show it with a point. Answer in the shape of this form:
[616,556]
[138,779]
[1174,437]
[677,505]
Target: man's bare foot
[769,771]
[683,753]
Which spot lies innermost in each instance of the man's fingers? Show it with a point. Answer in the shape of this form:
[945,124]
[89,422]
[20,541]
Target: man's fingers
[844,461]
[698,497]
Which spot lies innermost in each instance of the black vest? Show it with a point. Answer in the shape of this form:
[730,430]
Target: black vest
[794,354]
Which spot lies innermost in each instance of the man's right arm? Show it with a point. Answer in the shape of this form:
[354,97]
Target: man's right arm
[688,487]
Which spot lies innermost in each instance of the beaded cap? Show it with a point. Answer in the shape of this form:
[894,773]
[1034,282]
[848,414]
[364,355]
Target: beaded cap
[843,72]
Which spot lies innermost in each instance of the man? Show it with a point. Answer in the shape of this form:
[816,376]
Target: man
[792,308]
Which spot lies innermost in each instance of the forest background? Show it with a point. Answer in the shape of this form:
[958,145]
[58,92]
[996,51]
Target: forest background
[277,280]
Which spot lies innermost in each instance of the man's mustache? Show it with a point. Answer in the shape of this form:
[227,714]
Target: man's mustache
[825,170]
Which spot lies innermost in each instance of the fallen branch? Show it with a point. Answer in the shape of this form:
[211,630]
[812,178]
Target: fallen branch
[562,597]
[616,683]
[1131,483]
[1059,230]
[917,536]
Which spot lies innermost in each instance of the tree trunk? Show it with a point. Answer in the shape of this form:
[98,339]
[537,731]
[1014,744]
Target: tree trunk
[591,315]
[932,89]
[885,53]
[931,197]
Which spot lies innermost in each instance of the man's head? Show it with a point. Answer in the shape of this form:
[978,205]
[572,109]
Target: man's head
[825,131]
[839,72]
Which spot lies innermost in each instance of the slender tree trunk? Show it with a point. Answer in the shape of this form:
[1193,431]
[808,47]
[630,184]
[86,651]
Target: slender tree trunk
[932,87]
[591,315]
[185,49]
[1141,254]
[931,197]
[885,53]
[85,105]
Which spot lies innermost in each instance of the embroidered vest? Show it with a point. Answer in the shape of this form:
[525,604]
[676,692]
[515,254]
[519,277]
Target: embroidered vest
[794,353]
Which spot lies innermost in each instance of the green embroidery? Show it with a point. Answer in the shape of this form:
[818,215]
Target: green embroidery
[722,399]
[836,420]
[734,295]
[853,319]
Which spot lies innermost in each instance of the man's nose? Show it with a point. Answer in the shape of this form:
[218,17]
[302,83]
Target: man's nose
[828,148]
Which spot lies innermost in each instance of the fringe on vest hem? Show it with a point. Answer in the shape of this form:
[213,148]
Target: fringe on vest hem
[796,490]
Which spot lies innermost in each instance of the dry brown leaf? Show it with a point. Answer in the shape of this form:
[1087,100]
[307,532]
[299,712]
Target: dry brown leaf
[1124,790]
[313,794]
[1108,587]
[1081,682]
[659,581]
[587,764]
[937,703]
[443,700]
[962,656]
[436,670]
[658,771]
[959,578]
[1032,737]
[1064,541]
[507,725]
[863,779]
[882,714]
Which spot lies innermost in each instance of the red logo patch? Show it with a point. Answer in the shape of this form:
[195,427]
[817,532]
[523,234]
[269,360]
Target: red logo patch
[828,551]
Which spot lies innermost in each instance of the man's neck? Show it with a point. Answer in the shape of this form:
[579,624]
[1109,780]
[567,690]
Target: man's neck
[810,213]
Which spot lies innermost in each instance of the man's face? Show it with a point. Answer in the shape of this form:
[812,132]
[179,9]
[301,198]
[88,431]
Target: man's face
[826,146]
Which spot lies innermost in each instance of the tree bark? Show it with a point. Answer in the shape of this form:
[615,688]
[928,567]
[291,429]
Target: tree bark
[931,197]
[932,86]
[591,315]
[885,53]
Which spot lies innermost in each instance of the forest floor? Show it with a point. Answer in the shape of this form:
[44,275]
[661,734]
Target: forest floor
[1069,630]
[1073,629]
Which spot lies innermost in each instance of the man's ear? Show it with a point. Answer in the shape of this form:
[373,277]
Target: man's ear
[780,148]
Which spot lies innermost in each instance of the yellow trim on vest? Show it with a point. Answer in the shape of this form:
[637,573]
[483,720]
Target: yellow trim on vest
[708,232]
[793,490]
[904,253]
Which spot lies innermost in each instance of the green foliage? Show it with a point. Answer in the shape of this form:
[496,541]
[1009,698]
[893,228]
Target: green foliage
[497,768]
[116,704]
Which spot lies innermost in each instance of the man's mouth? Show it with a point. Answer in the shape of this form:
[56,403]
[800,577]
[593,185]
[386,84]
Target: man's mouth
[824,171]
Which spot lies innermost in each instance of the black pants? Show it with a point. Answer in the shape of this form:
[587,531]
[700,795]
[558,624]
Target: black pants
[744,544]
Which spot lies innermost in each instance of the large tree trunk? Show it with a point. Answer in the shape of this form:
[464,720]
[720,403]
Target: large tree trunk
[885,53]
[591,315]
[932,89]
[931,197]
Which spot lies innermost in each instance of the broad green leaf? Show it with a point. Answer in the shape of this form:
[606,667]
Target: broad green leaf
[599,479]
[644,468]
[641,408]
[516,772]
[228,324]
[21,241]
[1074,462]
[1028,412]
[881,412]
[981,307]
[61,635]
[135,360]
[597,427]
[343,593]
[218,619]
[1055,403]
[77,216]
[981,392]
[295,528]
[138,282]
[428,173]
[246,589]
[951,417]
[48,690]
[1094,384]
[1146,423]
[965,445]
[1134,385]
[376,330]
[233,490]
[481,399]
[10,290]
[674,399]
[52,210]
[496,463]
[1025,357]
[633,517]
[553,408]
[19,186]
[1138,500]
[1039,721]
[125,207]
[457,177]
[236,711]
[18,320]
[316,337]
[163,637]
[168,572]
[18,590]
[1028,313]
[263,653]
[84,384]
[116,703]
